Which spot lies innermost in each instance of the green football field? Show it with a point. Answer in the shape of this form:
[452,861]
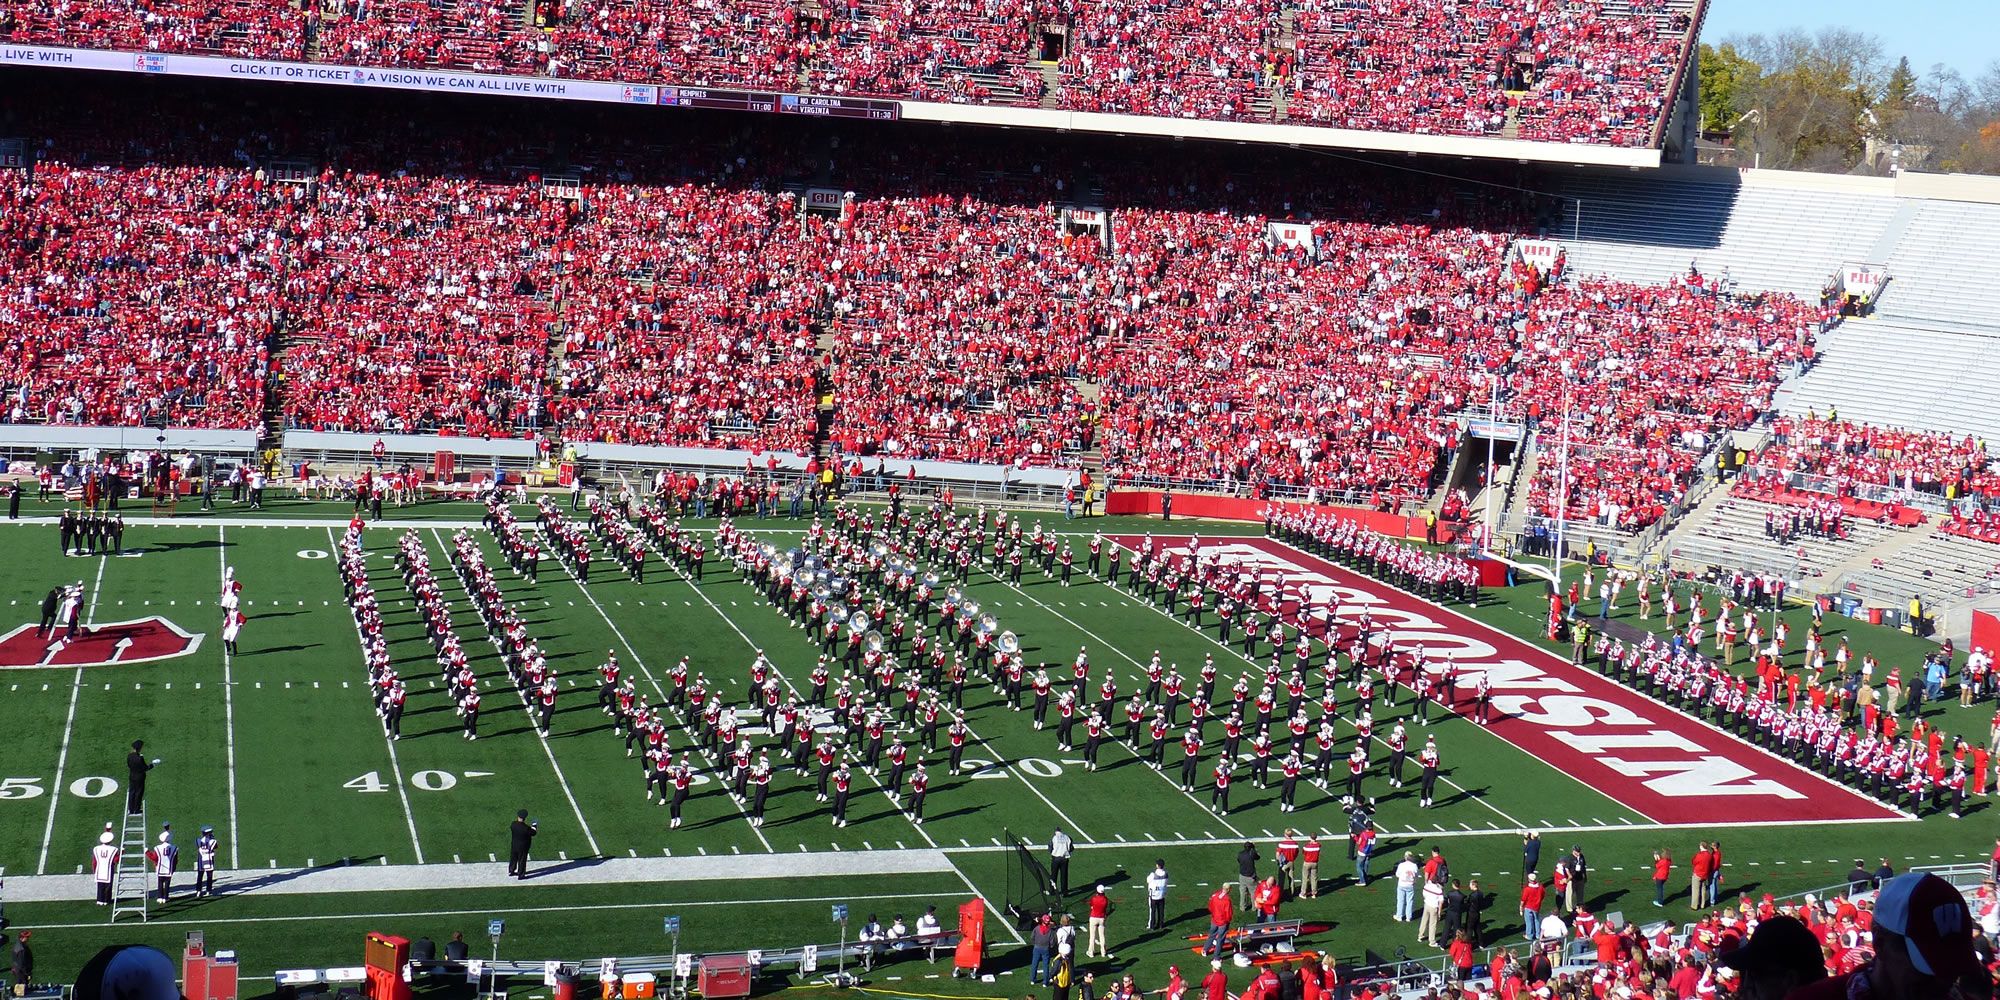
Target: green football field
[278,748]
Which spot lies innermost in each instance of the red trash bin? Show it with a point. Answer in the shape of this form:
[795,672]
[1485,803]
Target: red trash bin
[1874,616]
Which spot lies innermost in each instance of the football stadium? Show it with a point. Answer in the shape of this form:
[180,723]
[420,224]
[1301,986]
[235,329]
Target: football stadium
[1264,500]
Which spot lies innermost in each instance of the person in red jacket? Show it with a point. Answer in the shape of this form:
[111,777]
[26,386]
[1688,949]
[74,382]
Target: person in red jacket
[1461,955]
[1700,866]
[1215,985]
[1266,899]
[1532,896]
[1663,868]
[1221,910]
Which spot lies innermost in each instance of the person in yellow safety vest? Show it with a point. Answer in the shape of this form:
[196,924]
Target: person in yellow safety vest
[1430,527]
[1916,615]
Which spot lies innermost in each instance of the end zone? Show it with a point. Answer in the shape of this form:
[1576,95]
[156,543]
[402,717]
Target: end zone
[1652,758]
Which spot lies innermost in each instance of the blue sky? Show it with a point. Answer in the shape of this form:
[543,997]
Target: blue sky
[1964,34]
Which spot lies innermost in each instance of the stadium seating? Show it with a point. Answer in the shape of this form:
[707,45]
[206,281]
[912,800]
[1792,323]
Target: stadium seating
[136,297]
[1591,71]
[1763,238]
[949,315]
[1893,375]
[1850,455]
[1940,273]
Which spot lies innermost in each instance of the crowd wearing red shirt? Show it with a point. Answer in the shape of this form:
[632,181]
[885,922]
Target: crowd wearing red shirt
[686,297]
[1853,454]
[1576,72]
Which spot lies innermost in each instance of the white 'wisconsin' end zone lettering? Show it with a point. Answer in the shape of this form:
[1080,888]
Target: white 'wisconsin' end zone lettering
[1649,757]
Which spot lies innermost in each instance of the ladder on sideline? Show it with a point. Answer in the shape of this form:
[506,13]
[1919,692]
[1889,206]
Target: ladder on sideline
[130,891]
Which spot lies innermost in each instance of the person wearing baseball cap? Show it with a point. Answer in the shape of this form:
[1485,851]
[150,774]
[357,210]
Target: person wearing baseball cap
[1923,947]
[1781,956]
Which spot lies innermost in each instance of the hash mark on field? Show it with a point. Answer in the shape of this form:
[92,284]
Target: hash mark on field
[962,841]
[562,856]
[1781,862]
[703,851]
[456,860]
[633,851]
[1436,827]
[866,846]
[1625,821]
[1210,834]
[490,857]
[802,849]
[837,847]
[1121,837]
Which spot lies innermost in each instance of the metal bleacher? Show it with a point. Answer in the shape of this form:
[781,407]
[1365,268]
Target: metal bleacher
[1895,375]
[1942,270]
[1731,536]
[1942,569]
[1650,228]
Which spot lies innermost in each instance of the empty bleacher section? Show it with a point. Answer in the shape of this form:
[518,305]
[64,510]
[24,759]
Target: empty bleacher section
[1879,372]
[1940,568]
[1945,269]
[1767,237]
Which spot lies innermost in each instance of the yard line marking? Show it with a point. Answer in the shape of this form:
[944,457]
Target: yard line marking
[229,698]
[1114,647]
[1231,650]
[562,780]
[895,802]
[640,662]
[69,725]
[395,765]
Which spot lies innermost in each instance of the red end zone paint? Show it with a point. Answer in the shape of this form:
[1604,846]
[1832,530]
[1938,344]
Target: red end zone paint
[1653,759]
[97,645]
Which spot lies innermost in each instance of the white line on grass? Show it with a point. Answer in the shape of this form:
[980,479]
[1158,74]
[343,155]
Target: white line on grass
[1008,765]
[228,702]
[561,779]
[1114,647]
[640,662]
[395,766]
[69,726]
[894,803]
[1452,713]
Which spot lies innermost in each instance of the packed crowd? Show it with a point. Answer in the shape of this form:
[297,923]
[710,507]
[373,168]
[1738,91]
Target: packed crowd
[1323,351]
[135,296]
[1853,455]
[1643,413]
[1577,72]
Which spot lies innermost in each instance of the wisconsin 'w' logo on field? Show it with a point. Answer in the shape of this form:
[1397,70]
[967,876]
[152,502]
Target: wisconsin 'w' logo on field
[97,645]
